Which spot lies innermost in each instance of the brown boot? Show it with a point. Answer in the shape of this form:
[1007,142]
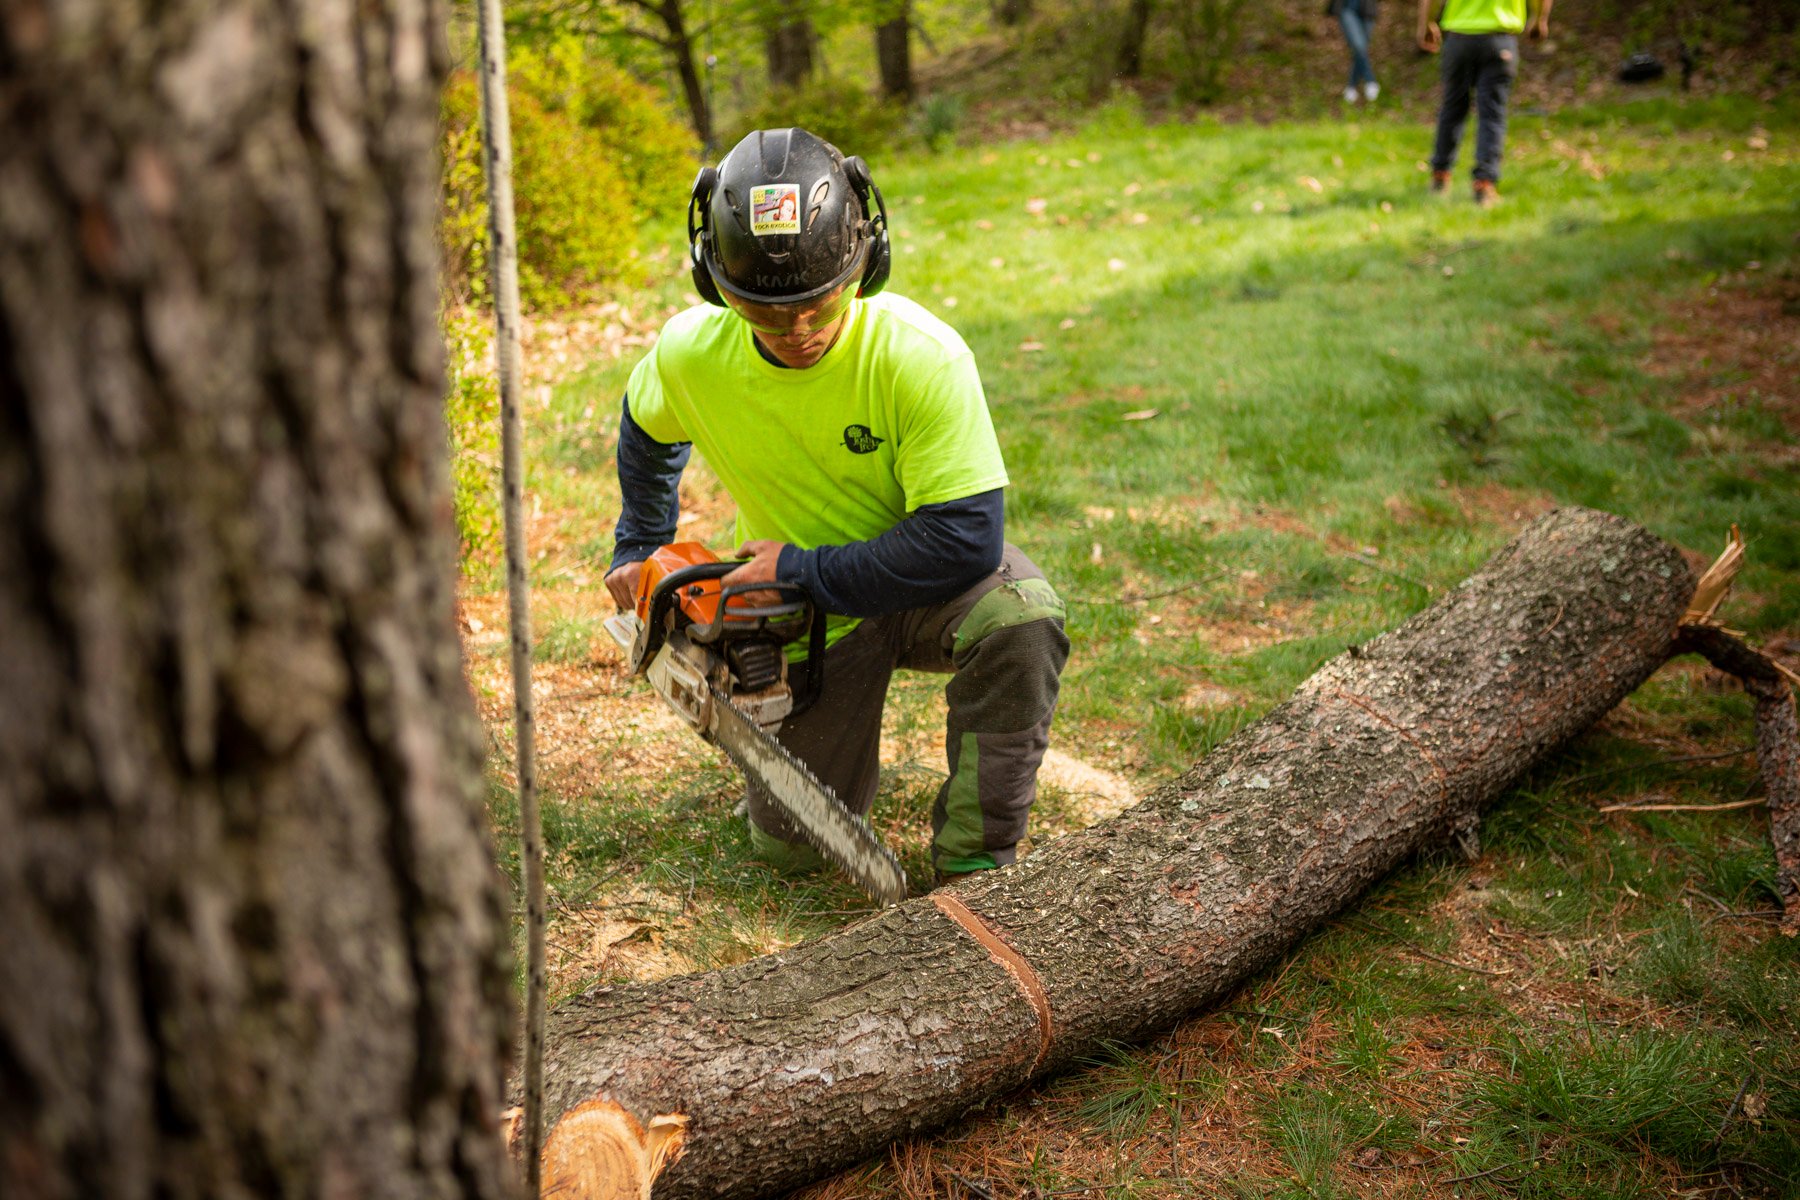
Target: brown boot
[1440,181]
[1486,193]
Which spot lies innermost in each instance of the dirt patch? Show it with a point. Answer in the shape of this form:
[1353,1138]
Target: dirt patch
[1733,345]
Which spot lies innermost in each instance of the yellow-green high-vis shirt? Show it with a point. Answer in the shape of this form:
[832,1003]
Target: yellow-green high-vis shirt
[1483,16]
[891,418]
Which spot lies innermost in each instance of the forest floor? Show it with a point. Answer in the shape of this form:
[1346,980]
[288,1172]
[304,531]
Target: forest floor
[1261,397]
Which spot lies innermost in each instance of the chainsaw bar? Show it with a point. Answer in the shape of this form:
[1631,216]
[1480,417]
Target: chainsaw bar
[821,818]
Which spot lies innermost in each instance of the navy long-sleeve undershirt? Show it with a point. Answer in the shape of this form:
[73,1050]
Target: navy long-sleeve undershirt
[933,554]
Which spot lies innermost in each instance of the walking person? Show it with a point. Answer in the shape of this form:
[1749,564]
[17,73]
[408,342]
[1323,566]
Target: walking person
[1479,40]
[1357,19]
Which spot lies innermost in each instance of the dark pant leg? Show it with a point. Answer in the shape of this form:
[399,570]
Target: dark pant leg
[1493,85]
[1004,641]
[1457,67]
[839,738]
[1356,36]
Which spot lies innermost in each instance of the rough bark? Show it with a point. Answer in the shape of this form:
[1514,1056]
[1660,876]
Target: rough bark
[799,1063]
[1777,749]
[254,938]
[893,52]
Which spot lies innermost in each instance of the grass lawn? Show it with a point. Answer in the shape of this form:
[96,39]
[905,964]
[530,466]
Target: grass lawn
[1262,397]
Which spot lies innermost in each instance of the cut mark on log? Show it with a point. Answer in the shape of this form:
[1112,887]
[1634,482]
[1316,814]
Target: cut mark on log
[1437,768]
[1010,961]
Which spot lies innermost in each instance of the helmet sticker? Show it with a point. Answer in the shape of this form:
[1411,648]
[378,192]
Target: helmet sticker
[774,208]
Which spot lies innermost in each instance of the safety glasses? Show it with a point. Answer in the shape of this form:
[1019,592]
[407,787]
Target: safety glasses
[795,320]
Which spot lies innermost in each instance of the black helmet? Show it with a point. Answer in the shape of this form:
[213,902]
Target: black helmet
[786,218]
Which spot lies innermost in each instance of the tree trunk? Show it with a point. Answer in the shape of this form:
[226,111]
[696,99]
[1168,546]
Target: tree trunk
[789,42]
[800,1063]
[679,45]
[254,938]
[893,53]
[1011,12]
[1131,41]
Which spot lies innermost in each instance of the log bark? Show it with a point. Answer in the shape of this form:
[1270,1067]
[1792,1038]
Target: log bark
[254,940]
[1777,747]
[800,1063]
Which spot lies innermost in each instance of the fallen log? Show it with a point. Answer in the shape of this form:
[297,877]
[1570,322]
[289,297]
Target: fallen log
[800,1063]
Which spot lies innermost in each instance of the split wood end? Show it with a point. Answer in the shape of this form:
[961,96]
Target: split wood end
[598,1151]
[1716,583]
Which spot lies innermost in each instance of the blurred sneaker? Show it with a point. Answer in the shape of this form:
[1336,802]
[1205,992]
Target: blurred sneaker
[1440,181]
[1486,193]
[1349,95]
[1371,90]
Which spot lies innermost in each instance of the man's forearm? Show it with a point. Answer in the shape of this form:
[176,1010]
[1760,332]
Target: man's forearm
[649,490]
[935,554]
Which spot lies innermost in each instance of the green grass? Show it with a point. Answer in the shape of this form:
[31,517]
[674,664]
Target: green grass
[1360,392]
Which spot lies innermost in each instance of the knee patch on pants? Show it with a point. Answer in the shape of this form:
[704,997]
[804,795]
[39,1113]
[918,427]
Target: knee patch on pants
[1009,656]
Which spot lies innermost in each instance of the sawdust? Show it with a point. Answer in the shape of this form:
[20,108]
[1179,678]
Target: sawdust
[1098,794]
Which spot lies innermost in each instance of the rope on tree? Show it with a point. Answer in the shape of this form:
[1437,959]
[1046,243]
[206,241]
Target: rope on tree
[504,264]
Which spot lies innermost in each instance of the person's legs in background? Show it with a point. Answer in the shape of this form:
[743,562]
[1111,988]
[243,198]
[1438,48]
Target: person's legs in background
[1494,76]
[1457,63]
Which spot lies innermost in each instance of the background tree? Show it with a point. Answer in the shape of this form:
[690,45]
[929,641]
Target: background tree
[791,43]
[893,49]
[255,938]
[1130,64]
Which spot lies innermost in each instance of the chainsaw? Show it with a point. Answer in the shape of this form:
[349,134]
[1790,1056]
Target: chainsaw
[721,663]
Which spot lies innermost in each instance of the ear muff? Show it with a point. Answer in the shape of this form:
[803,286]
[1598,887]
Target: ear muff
[699,204]
[875,271]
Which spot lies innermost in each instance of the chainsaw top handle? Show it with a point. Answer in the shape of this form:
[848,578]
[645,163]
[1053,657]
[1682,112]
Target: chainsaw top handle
[713,618]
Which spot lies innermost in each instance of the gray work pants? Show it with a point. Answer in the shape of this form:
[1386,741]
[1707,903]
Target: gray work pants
[1482,64]
[1003,644]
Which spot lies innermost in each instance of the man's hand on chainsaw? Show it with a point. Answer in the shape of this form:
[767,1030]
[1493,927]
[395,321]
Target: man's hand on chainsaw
[622,582]
[763,556]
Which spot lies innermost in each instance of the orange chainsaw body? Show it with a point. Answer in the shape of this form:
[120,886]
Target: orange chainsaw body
[699,600]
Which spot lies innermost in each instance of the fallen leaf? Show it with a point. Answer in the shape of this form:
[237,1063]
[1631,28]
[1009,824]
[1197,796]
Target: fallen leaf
[1132,189]
[949,301]
[984,224]
[996,262]
[1115,264]
[1096,554]
[1311,184]
[1030,347]
[1140,218]
[1067,323]
[1142,414]
[1036,205]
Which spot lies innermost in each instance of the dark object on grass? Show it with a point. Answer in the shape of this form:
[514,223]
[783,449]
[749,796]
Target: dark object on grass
[795,1065]
[1641,68]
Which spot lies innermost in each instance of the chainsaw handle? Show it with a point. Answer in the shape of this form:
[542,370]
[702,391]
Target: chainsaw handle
[668,593]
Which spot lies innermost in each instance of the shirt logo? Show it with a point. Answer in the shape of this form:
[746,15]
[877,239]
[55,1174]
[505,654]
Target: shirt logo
[860,439]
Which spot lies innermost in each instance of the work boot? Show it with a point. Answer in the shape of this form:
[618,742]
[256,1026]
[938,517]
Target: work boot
[1440,181]
[1486,193]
